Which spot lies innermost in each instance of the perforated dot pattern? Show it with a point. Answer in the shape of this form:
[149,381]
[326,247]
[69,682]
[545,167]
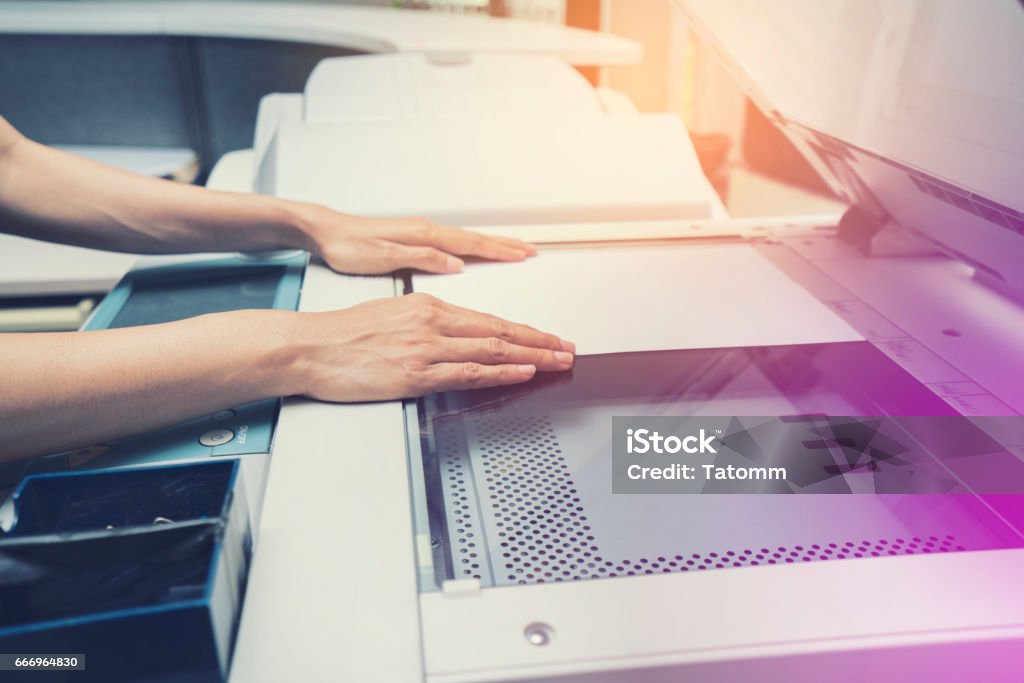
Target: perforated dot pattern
[542,529]
[526,490]
[752,557]
[467,556]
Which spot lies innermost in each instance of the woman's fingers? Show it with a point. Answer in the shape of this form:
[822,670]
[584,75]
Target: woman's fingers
[414,345]
[462,322]
[381,256]
[496,351]
[455,376]
[426,259]
[493,247]
[457,241]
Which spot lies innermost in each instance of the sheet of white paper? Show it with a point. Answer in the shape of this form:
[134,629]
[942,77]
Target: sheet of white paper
[619,299]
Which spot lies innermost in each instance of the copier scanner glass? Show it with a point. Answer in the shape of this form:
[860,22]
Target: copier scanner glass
[886,438]
[523,484]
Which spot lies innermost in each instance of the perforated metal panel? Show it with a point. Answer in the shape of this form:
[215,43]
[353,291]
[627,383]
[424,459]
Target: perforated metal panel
[528,500]
[538,518]
[461,509]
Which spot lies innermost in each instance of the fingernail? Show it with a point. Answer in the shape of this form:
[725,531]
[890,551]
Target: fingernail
[453,264]
[567,346]
[530,249]
[527,369]
[563,357]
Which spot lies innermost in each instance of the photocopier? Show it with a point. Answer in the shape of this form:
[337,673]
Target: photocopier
[474,140]
[877,357]
[886,345]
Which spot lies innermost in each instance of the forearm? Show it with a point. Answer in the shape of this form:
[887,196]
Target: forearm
[66,390]
[54,196]
[60,197]
[62,391]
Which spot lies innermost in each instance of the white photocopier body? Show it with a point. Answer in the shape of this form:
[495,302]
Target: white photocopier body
[359,573]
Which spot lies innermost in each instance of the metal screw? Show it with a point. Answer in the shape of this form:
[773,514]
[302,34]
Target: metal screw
[539,634]
[435,542]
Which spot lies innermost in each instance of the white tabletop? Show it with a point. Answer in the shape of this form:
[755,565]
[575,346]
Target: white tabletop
[370,29]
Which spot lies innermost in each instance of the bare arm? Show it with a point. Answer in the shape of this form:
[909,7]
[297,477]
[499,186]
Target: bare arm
[55,196]
[72,389]
[61,391]
[67,390]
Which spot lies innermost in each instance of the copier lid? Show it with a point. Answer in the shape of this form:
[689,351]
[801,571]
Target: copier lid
[911,109]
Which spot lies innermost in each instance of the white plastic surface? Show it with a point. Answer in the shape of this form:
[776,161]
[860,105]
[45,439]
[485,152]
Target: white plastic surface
[275,110]
[559,169]
[332,590]
[370,29]
[934,84]
[233,172]
[405,87]
[729,616]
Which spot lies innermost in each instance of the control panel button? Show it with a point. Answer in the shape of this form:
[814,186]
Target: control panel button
[216,437]
[223,415]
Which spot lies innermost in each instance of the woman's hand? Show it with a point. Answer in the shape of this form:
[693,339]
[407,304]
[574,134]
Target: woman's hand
[55,196]
[369,246]
[410,346]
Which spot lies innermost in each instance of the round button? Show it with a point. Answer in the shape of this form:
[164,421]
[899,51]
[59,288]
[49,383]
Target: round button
[216,437]
[223,415]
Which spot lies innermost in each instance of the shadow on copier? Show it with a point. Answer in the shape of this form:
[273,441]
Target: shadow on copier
[857,446]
